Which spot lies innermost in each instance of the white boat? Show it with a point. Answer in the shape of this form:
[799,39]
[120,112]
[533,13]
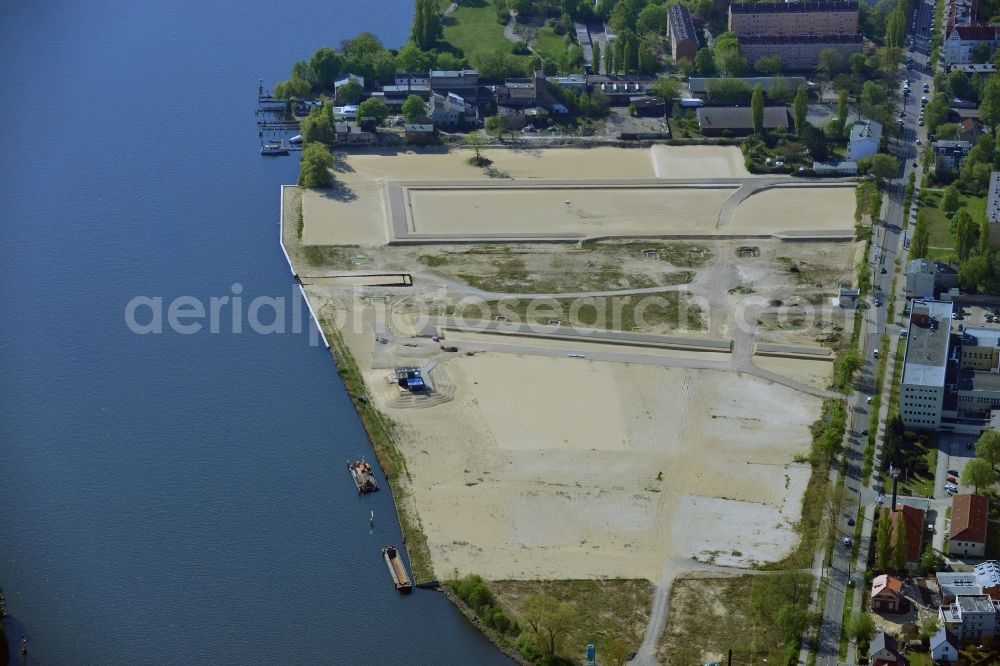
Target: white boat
[297,139]
[274,148]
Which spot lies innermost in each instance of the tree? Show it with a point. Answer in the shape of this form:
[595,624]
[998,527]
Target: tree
[757,109]
[984,236]
[325,65]
[949,200]
[920,243]
[414,108]
[882,544]
[831,62]
[350,92]
[845,366]
[373,108]
[666,88]
[989,107]
[317,127]
[980,53]
[884,167]
[974,272]
[314,169]
[768,65]
[609,61]
[426,24]
[411,59]
[861,626]
[988,447]
[900,543]
[549,621]
[958,84]
[615,653]
[704,62]
[597,57]
[653,18]
[293,88]
[965,234]
[842,111]
[978,473]
[728,91]
[815,141]
[729,61]
[800,106]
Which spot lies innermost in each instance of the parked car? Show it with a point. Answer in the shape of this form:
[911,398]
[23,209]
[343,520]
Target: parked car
[952,479]
[850,521]
[847,541]
[953,472]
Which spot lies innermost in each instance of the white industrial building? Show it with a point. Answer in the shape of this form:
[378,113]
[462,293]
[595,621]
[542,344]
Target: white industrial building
[922,391]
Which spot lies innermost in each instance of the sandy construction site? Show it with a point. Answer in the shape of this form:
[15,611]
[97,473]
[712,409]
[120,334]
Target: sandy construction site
[543,466]
[568,193]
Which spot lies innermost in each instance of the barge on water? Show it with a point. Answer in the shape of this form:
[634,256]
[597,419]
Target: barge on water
[363,475]
[397,569]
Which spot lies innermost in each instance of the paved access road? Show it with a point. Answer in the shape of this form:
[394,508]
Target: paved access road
[887,245]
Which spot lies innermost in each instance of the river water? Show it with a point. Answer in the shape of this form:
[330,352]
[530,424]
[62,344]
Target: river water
[168,498]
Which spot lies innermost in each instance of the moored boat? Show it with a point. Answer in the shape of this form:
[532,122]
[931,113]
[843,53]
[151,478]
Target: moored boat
[296,140]
[274,148]
[363,475]
[397,569]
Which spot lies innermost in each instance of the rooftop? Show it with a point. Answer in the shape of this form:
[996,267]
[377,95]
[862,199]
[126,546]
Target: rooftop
[738,117]
[988,573]
[956,583]
[926,358]
[769,83]
[977,33]
[978,380]
[791,7]
[981,336]
[969,518]
[869,129]
[886,583]
[951,145]
[853,38]
[974,603]
[681,25]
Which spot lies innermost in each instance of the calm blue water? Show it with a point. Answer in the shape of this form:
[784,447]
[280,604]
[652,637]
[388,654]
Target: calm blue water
[170,499]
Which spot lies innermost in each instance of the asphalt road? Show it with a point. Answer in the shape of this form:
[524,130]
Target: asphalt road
[886,246]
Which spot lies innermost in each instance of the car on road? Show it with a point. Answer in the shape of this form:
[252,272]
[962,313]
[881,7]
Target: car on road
[576,355]
[919,142]
[869,399]
[883,271]
[864,431]
[850,522]
[916,166]
[847,541]
[878,302]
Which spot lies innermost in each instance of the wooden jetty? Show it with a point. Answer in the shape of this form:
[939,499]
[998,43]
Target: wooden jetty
[397,569]
[363,475]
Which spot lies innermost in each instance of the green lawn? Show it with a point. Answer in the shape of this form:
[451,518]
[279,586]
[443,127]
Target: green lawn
[942,243]
[549,45]
[474,28]
[920,464]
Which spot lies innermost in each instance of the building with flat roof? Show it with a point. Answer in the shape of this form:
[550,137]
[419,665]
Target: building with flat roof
[922,390]
[988,577]
[683,38]
[793,18]
[866,137]
[949,155]
[924,278]
[737,121]
[993,208]
[970,618]
[797,51]
[954,584]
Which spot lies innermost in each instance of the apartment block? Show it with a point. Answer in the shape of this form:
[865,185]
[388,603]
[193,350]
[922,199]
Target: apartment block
[798,52]
[793,18]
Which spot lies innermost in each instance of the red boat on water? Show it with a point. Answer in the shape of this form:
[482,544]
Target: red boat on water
[363,475]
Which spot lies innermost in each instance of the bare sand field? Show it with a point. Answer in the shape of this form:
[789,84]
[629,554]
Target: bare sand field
[698,162]
[795,208]
[356,216]
[630,467]
[813,372]
[617,211]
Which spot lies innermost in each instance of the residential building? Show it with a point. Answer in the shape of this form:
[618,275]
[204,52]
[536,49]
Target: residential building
[988,578]
[737,121]
[944,646]
[925,365]
[450,110]
[925,278]
[797,52]
[969,524]
[960,13]
[882,650]
[963,40]
[520,93]
[971,129]
[970,618]
[415,79]
[772,85]
[793,18]
[949,155]
[866,138]
[464,83]
[886,594]
[954,584]
[913,518]
[680,29]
